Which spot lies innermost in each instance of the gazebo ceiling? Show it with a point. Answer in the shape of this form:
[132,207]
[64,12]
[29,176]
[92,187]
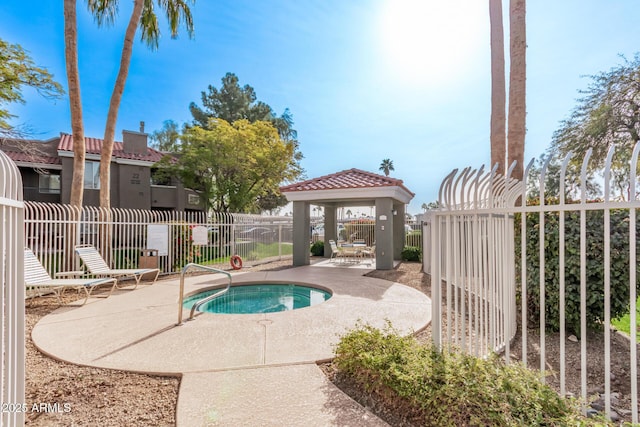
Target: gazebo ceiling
[353,187]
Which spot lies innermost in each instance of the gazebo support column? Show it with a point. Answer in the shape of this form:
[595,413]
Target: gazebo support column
[398,231]
[384,234]
[330,228]
[301,233]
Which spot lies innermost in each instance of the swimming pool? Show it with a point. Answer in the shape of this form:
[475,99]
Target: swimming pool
[260,298]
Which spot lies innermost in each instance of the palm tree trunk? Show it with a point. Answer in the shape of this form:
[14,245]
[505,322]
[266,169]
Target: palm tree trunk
[498,90]
[517,85]
[116,97]
[75,104]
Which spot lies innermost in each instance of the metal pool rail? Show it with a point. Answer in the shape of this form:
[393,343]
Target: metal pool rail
[204,300]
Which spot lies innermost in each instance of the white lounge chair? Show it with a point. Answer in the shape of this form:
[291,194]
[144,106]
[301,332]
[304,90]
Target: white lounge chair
[37,277]
[96,266]
[335,251]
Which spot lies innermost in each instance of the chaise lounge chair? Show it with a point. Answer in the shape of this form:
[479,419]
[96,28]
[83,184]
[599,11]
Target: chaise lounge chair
[37,277]
[96,266]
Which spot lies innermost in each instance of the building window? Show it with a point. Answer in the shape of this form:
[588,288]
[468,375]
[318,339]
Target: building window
[49,184]
[92,175]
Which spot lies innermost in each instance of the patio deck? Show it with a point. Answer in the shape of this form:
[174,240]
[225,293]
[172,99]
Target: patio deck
[236,369]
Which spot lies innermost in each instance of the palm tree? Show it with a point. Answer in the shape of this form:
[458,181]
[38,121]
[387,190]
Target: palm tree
[143,15]
[517,85]
[425,207]
[498,91]
[75,104]
[386,166]
[349,213]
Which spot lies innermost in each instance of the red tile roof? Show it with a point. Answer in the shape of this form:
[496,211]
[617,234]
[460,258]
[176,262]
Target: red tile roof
[347,179]
[31,151]
[94,146]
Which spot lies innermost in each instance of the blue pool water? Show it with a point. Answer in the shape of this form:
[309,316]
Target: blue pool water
[261,298]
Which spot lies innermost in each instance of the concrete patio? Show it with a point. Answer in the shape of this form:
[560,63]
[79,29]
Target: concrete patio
[251,369]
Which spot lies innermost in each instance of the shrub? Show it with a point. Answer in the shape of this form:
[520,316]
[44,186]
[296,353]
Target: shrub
[317,249]
[594,268]
[411,253]
[434,388]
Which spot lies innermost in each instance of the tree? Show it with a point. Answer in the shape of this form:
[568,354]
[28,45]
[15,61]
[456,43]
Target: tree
[498,136]
[516,119]
[168,138]
[552,180]
[75,102]
[18,70]
[143,15]
[607,114]
[230,103]
[386,166]
[236,165]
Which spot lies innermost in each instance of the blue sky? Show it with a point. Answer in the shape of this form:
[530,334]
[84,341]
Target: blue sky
[365,80]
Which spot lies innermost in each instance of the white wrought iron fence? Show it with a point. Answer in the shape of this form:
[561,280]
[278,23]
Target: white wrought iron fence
[167,239]
[568,260]
[349,229]
[12,356]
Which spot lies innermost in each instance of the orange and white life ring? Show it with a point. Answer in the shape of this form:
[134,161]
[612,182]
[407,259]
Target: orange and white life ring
[236,262]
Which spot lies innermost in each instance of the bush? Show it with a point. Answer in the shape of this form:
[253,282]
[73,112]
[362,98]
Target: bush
[594,268]
[411,253]
[317,249]
[434,388]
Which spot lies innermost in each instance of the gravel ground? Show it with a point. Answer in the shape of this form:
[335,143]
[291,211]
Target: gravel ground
[115,398]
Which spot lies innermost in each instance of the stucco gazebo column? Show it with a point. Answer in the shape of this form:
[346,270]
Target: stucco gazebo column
[384,233]
[301,233]
[330,228]
[399,233]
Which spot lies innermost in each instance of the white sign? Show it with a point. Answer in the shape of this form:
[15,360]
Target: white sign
[383,217]
[199,235]
[158,238]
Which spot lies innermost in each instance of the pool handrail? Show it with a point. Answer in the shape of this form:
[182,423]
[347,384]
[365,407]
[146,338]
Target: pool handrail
[204,300]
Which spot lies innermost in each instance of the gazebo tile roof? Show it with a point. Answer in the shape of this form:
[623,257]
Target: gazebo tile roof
[346,179]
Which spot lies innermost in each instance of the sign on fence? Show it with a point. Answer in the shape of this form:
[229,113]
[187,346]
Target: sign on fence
[158,238]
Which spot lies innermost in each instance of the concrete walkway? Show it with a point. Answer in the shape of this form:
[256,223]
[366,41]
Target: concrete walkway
[237,370]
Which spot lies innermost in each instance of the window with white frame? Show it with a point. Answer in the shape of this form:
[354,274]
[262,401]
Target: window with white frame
[49,184]
[92,175]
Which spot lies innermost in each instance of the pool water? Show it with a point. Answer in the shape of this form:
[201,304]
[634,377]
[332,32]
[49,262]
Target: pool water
[261,298]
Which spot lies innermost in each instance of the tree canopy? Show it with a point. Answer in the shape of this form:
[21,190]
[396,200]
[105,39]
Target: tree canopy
[236,166]
[607,114]
[386,166]
[18,70]
[232,102]
[167,138]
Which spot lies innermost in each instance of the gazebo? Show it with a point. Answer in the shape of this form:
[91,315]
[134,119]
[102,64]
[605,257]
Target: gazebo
[353,187]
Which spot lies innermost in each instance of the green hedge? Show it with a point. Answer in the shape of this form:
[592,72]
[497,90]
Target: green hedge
[411,253]
[594,267]
[434,388]
[317,249]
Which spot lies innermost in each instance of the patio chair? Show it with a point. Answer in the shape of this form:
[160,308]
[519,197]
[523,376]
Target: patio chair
[37,277]
[336,251]
[369,252]
[96,266]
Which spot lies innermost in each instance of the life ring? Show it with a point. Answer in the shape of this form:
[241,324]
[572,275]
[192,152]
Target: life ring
[236,262]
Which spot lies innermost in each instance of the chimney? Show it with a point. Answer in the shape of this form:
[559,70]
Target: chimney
[134,142]
[141,126]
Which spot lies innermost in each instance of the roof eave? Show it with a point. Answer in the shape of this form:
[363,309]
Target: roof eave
[399,194]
